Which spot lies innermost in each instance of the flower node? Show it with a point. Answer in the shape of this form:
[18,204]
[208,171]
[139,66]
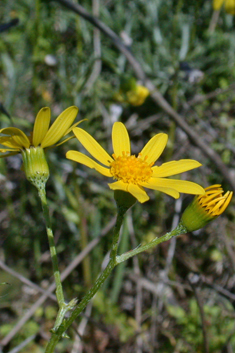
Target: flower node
[130,169]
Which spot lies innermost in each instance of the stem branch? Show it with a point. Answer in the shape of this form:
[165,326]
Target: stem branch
[177,231]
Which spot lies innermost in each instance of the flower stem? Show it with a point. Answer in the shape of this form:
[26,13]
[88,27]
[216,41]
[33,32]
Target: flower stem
[114,260]
[116,232]
[57,334]
[180,229]
[59,289]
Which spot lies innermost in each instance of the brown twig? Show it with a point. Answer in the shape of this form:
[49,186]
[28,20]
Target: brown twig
[97,49]
[25,280]
[199,98]
[23,344]
[218,289]
[155,94]
[214,20]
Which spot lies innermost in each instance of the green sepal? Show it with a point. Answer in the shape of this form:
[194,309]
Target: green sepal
[124,200]
[195,216]
[35,166]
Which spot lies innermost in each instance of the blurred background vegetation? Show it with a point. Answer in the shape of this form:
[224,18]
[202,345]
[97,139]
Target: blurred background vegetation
[180,296]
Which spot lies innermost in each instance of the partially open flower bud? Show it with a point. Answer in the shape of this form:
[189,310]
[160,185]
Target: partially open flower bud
[205,208]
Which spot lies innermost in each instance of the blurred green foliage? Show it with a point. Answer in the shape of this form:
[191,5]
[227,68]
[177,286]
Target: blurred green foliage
[219,326]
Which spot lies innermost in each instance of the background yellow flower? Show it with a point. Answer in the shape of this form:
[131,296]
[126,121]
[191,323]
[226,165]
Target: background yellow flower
[229,5]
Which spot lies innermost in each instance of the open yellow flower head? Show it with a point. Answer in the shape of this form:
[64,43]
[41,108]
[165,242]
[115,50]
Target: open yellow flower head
[205,208]
[14,140]
[217,4]
[132,174]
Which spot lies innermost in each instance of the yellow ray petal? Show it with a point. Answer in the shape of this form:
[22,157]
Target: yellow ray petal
[227,198]
[9,142]
[166,190]
[41,125]
[92,146]
[135,190]
[184,186]
[3,150]
[118,185]
[120,139]
[17,135]
[154,148]
[73,126]
[68,131]
[138,192]
[174,167]
[83,159]
[60,126]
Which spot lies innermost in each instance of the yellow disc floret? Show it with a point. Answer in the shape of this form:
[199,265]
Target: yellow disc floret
[130,169]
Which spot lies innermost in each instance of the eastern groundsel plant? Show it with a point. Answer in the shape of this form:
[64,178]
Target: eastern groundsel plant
[131,174]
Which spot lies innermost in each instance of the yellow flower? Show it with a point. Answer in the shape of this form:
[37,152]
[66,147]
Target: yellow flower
[229,5]
[217,4]
[15,140]
[137,96]
[132,173]
[32,147]
[205,208]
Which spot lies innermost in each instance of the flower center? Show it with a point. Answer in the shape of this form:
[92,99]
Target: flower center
[130,169]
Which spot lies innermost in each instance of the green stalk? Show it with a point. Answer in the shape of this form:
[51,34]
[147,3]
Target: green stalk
[114,260]
[58,333]
[54,259]
[180,229]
